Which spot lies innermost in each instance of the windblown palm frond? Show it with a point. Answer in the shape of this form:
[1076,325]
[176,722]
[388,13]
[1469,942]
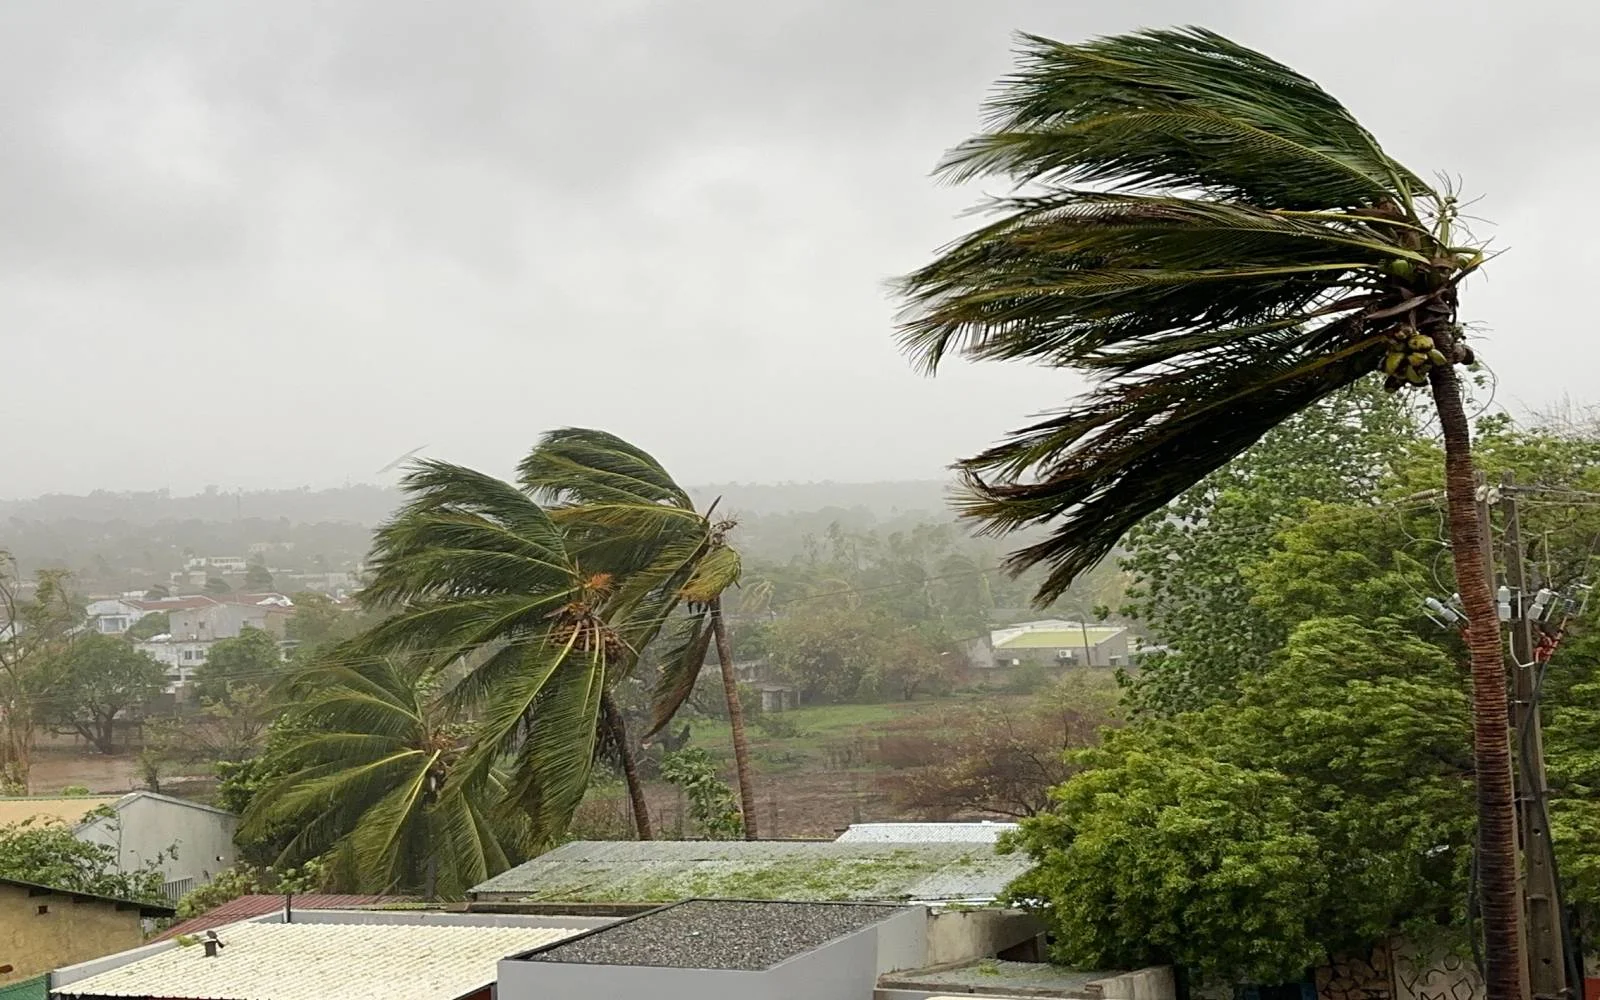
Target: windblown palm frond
[367,781]
[474,572]
[629,517]
[1207,233]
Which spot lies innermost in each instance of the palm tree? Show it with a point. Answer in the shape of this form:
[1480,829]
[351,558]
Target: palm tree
[627,515]
[1223,245]
[474,572]
[365,780]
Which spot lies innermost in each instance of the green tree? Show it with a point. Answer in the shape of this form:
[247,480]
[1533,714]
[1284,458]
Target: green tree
[828,650]
[49,853]
[318,621]
[157,592]
[249,880]
[472,571]
[711,802]
[1327,810]
[217,585]
[1223,243]
[629,519]
[1190,588]
[257,577]
[249,660]
[372,780]
[153,624]
[94,682]
[34,632]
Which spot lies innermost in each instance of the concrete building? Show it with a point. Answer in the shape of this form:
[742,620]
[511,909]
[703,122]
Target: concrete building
[1051,642]
[42,928]
[188,841]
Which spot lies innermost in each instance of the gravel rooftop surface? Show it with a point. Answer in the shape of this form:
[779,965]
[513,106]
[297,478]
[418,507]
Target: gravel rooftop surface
[718,934]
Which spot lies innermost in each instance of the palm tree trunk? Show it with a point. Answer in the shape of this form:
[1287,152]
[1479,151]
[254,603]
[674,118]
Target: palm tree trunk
[630,767]
[1498,896]
[741,748]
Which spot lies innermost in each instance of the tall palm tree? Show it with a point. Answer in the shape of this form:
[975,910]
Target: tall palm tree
[1223,245]
[627,515]
[366,781]
[474,572]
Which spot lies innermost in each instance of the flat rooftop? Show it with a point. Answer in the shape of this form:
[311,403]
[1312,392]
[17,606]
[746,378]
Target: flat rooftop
[716,934]
[318,961]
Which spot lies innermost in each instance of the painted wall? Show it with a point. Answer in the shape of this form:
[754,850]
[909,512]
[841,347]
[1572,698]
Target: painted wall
[147,825]
[67,931]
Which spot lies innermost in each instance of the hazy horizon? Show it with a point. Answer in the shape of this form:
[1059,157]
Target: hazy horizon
[259,246]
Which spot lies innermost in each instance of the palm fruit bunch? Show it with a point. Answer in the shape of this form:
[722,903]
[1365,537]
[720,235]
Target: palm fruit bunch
[1412,354]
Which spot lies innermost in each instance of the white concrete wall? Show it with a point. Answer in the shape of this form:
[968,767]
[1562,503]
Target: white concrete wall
[147,825]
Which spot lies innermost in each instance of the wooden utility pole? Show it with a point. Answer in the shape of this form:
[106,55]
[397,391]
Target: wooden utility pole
[1542,918]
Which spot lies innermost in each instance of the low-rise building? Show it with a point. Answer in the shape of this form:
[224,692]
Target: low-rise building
[1051,642]
[43,928]
[188,841]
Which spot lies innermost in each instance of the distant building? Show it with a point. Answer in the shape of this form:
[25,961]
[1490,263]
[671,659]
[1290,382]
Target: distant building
[194,624]
[1053,642]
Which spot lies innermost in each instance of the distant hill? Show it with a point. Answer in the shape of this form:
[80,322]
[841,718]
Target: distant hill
[368,504]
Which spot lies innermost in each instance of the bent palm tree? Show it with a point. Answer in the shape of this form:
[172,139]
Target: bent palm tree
[1223,244]
[368,782]
[475,572]
[626,515]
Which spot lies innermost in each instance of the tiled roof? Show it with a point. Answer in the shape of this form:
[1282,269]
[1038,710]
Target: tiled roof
[807,871]
[318,961]
[246,907]
[924,833]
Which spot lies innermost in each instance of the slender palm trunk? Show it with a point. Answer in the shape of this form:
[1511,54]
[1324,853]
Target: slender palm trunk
[1491,743]
[741,749]
[630,767]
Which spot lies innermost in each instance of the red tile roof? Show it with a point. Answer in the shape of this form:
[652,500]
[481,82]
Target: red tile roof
[246,907]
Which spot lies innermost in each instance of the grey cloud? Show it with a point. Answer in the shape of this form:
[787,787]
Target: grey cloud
[258,244]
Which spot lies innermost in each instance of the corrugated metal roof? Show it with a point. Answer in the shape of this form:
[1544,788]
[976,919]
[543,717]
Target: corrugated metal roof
[1065,638]
[821,871]
[317,961]
[924,833]
[246,907]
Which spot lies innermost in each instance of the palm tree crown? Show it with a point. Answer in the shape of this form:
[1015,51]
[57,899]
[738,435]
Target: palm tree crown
[368,782]
[1207,232]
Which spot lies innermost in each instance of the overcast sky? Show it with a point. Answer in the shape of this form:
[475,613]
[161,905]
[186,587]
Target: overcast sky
[273,244]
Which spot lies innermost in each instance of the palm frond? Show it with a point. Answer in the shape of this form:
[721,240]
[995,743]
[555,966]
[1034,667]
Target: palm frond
[680,669]
[1178,109]
[576,466]
[1203,230]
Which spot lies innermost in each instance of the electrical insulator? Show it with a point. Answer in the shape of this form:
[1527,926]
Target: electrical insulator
[1541,608]
[1503,599]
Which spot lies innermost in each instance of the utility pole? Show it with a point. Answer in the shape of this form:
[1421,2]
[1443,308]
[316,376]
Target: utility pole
[1543,922]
